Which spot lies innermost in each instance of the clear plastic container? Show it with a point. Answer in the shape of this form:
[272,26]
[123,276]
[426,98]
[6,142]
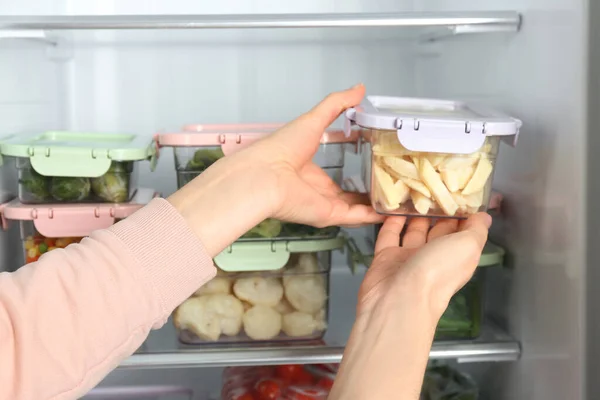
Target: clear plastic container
[464,316]
[47,227]
[199,146]
[73,167]
[429,157]
[286,302]
[443,382]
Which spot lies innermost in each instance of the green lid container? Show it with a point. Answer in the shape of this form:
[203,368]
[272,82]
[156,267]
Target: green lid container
[77,154]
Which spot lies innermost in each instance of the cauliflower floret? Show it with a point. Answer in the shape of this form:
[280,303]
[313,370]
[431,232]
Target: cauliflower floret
[306,293]
[297,324]
[305,263]
[210,315]
[284,307]
[230,311]
[194,315]
[321,319]
[259,291]
[262,323]
[216,285]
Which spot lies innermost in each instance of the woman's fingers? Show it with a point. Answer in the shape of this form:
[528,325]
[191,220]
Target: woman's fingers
[389,234]
[300,138]
[442,228]
[416,233]
[478,225]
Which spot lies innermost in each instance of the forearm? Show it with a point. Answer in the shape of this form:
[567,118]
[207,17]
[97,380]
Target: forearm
[386,354]
[70,318]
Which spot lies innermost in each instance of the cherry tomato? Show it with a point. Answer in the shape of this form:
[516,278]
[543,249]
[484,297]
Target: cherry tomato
[289,373]
[303,378]
[325,383]
[268,389]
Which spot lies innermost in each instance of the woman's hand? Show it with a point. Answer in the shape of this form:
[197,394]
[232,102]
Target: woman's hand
[401,300]
[274,177]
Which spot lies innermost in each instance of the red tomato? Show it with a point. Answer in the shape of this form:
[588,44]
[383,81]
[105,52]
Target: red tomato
[325,383]
[289,373]
[268,389]
[303,378]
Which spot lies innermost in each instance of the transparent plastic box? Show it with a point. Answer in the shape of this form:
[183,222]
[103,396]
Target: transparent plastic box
[287,302]
[429,157]
[197,147]
[74,167]
[464,316]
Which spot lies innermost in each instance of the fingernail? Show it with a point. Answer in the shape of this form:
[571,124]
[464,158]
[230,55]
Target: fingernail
[356,86]
[488,220]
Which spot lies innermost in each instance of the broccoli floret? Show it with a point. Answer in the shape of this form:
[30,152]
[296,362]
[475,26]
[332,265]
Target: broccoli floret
[269,228]
[69,189]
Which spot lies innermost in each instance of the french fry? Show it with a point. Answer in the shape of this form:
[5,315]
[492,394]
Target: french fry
[439,191]
[400,168]
[436,159]
[388,194]
[459,162]
[421,203]
[480,177]
[418,186]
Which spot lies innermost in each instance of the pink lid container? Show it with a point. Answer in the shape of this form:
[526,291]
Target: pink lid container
[73,220]
[232,137]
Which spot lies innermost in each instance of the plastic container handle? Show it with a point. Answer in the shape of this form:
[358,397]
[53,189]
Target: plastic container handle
[253,257]
[71,224]
[60,162]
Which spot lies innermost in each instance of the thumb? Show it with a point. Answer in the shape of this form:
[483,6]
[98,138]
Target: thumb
[300,138]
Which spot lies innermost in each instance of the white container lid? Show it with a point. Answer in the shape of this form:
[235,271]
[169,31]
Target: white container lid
[428,125]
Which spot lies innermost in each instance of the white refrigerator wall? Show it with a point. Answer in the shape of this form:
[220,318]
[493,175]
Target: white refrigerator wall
[539,75]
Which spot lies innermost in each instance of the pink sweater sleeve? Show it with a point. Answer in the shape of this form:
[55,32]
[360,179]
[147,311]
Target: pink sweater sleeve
[69,319]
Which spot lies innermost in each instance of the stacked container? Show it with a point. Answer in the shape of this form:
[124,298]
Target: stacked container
[429,157]
[273,284]
[71,183]
[45,227]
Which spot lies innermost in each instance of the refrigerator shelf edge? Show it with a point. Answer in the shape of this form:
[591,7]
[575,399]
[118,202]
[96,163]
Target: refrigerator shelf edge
[493,345]
[496,20]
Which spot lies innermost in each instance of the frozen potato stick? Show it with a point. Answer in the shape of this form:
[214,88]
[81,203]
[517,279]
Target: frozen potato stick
[417,185]
[451,179]
[464,177]
[400,168]
[387,193]
[480,176]
[440,193]
[459,162]
[436,159]
[421,203]
[470,200]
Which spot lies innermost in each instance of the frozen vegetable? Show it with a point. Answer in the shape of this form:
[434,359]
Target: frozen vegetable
[211,315]
[461,319]
[298,324]
[258,290]
[36,185]
[307,293]
[203,159]
[37,245]
[269,228]
[112,187]
[262,323]
[454,183]
[69,189]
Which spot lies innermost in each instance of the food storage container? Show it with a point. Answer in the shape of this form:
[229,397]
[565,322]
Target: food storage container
[443,382]
[76,167]
[48,227]
[282,382]
[429,157]
[263,292]
[464,316]
[199,146]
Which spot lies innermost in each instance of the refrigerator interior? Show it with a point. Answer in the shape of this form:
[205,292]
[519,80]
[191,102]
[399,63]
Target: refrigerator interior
[145,81]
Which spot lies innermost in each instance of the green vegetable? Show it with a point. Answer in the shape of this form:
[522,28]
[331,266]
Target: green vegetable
[36,185]
[69,189]
[298,230]
[112,187]
[445,383]
[461,319]
[269,228]
[203,159]
[43,248]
